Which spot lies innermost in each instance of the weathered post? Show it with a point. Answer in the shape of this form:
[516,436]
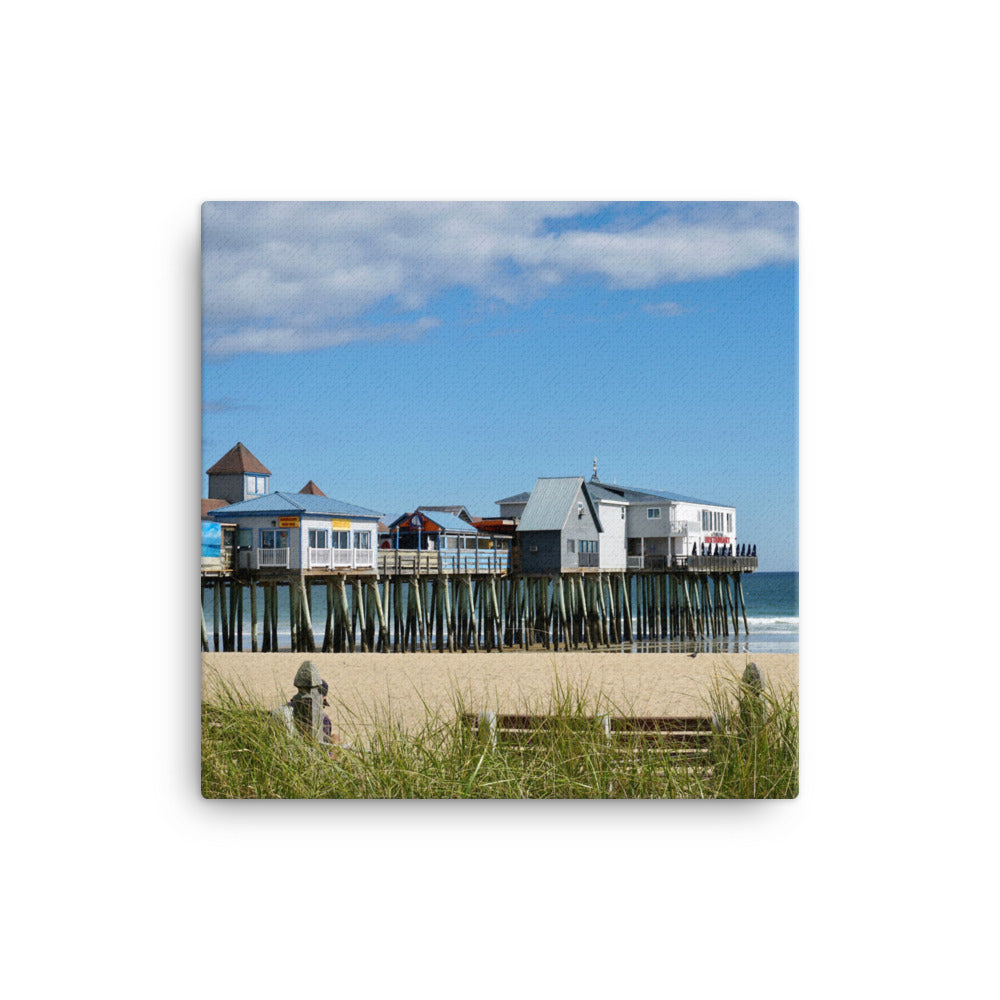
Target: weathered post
[751,697]
[307,704]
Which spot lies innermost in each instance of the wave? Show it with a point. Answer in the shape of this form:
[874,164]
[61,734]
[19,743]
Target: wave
[787,623]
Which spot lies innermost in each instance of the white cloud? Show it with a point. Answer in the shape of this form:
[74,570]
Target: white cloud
[666,308]
[289,340]
[297,276]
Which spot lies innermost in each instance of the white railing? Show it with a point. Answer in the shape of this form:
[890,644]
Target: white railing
[318,557]
[341,558]
[272,557]
[634,562]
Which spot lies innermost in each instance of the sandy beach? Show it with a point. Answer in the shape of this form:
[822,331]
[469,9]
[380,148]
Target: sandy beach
[406,686]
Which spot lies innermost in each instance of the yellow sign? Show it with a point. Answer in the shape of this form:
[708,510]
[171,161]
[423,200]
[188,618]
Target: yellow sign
[288,522]
[340,524]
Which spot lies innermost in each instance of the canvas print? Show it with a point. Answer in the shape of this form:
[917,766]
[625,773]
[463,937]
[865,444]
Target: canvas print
[499,500]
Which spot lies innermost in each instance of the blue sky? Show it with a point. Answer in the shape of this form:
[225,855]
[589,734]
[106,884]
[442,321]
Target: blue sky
[431,353]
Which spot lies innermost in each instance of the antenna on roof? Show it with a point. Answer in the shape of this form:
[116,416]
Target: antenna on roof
[593,478]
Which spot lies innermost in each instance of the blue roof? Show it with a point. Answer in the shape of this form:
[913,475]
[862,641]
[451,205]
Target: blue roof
[291,504]
[449,522]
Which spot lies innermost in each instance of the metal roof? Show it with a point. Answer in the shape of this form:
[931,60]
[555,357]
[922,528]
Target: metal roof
[517,498]
[635,494]
[550,503]
[447,521]
[291,503]
[458,509]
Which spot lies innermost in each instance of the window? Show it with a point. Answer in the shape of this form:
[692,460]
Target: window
[244,538]
[587,545]
[652,513]
[729,523]
[362,539]
[256,484]
[570,545]
[704,520]
[317,538]
[271,538]
[340,540]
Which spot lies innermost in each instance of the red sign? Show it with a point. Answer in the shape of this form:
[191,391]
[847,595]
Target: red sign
[717,540]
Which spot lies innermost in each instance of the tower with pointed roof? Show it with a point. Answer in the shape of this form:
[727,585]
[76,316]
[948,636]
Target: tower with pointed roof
[238,476]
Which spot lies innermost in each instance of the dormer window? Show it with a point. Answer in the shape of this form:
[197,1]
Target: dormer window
[256,485]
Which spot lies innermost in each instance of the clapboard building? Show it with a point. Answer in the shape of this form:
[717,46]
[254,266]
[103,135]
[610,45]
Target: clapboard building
[566,523]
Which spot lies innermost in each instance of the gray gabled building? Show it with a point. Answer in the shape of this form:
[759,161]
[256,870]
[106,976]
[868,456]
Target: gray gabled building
[633,528]
[560,527]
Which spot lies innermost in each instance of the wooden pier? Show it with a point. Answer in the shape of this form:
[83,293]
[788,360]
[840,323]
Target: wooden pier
[417,602]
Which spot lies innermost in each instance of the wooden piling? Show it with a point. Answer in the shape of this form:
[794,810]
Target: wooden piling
[204,631]
[743,602]
[215,615]
[345,613]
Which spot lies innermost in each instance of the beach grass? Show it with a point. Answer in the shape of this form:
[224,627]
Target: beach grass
[249,754]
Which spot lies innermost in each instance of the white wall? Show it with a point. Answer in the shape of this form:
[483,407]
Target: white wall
[640,525]
[298,538]
[612,543]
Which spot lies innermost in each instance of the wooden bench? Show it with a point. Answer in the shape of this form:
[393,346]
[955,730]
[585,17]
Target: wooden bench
[681,739]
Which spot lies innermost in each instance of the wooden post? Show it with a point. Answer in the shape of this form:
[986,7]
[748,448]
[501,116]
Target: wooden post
[614,623]
[743,602]
[688,617]
[215,614]
[397,615]
[419,611]
[310,638]
[448,612]
[583,610]
[274,617]
[472,613]
[293,617]
[627,605]
[204,630]
[229,615]
[383,632]
[566,625]
[328,626]
[253,615]
[266,592]
[239,615]
[345,614]
[223,613]
[497,633]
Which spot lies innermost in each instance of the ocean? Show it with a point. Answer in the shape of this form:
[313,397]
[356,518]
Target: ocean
[772,615]
[772,612]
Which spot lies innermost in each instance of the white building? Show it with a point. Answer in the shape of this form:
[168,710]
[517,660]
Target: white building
[634,528]
[301,531]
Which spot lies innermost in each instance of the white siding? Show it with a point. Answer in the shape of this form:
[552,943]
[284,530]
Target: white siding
[612,543]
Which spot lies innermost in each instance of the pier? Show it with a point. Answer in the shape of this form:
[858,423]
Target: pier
[428,601]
